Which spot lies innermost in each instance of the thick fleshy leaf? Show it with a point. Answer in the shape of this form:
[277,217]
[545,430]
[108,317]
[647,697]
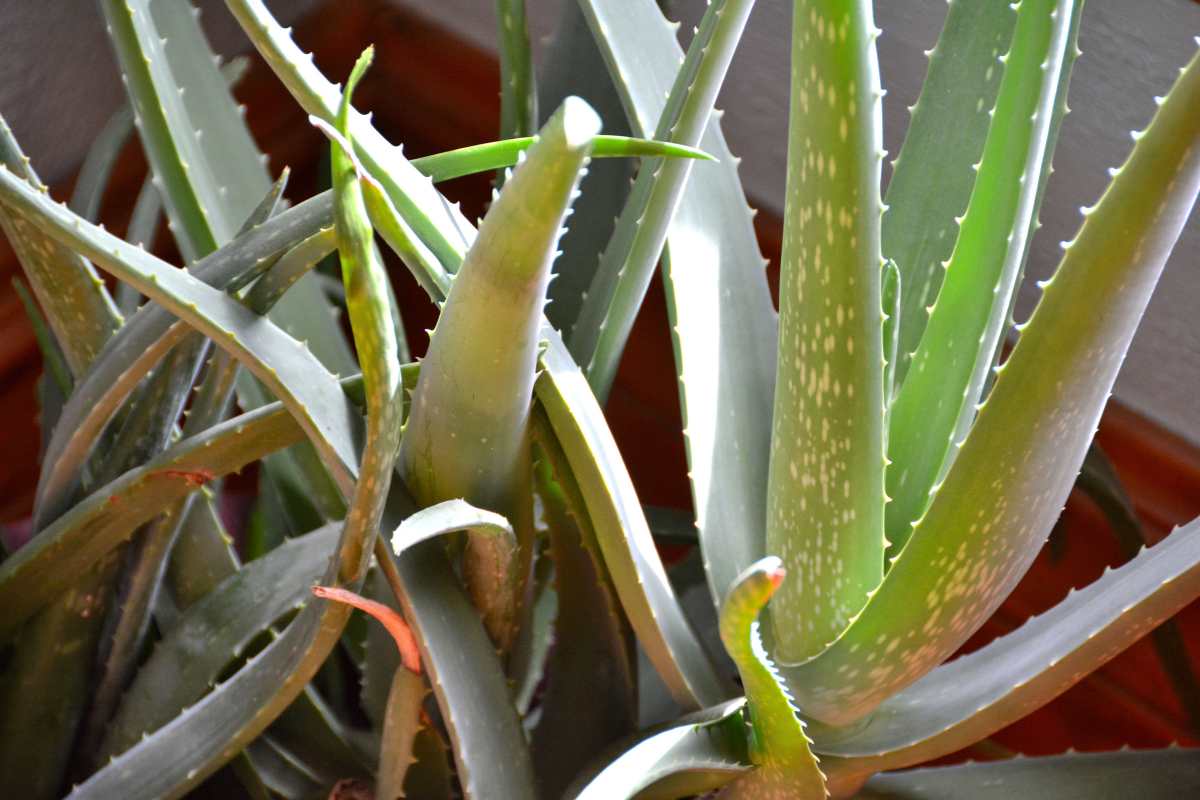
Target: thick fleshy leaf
[707,748]
[188,663]
[622,533]
[1014,471]
[724,325]
[977,694]
[932,177]
[518,94]
[147,336]
[572,65]
[825,493]
[1147,774]
[475,445]
[628,263]
[74,300]
[639,576]
[779,746]
[936,402]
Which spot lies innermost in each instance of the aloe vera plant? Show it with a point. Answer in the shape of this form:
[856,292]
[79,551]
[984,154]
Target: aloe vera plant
[869,482]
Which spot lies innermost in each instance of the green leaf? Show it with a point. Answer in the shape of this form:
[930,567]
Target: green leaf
[506,153]
[1016,467]
[1148,774]
[518,94]
[97,166]
[726,370]
[212,634]
[77,306]
[622,533]
[975,695]
[933,177]
[779,745]
[628,263]
[825,494]
[474,444]
[590,672]
[707,747]
[464,671]
[448,517]
[572,65]
[936,403]
[639,576]
[147,336]
[892,292]
[65,550]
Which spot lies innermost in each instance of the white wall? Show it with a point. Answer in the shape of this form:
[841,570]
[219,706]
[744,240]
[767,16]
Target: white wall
[1132,51]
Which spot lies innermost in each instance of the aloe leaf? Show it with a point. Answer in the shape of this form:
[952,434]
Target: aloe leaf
[640,578]
[518,94]
[936,403]
[98,164]
[1149,774]
[156,407]
[506,152]
[1099,481]
[628,263]
[446,235]
[622,533]
[933,177]
[709,747]
[214,632]
[447,517]
[1014,470]
[149,334]
[825,494]
[573,66]
[64,550]
[590,672]
[142,230]
[892,294]
[977,694]
[53,360]
[402,723]
[473,445]
[77,306]
[284,365]
[493,759]
[779,745]
[726,371]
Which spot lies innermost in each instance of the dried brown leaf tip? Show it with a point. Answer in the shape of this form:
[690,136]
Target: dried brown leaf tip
[406,643]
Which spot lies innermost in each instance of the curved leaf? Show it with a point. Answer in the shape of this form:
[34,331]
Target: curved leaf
[977,694]
[1147,774]
[1017,465]
[710,744]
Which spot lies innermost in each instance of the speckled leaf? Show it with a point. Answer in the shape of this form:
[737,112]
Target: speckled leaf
[825,486]
[628,262]
[936,403]
[1016,467]
[712,271]
[1147,774]
[518,94]
[779,746]
[76,304]
[975,695]
[933,176]
[708,747]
